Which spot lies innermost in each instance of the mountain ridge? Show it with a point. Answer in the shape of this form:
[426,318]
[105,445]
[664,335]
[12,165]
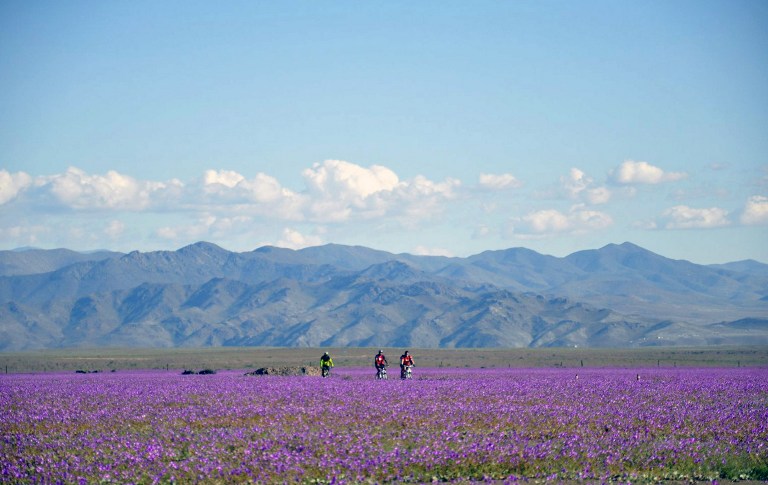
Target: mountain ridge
[620,295]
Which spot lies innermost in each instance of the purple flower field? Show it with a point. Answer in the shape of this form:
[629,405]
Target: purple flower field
[444,425]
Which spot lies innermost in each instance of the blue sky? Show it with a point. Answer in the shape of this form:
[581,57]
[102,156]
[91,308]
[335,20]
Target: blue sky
[421,127]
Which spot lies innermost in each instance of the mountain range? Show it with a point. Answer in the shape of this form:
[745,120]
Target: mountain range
[334,295]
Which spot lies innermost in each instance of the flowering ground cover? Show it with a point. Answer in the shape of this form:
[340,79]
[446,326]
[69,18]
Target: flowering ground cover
[444,425]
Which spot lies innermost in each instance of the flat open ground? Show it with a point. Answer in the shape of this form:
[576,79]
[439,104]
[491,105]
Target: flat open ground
[256,357]
[447,425]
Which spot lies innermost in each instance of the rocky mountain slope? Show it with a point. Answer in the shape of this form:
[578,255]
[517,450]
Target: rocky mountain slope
[203,295]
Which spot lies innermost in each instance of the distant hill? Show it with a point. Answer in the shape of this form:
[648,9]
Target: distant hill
[32,261]
[203,295]
[745,266]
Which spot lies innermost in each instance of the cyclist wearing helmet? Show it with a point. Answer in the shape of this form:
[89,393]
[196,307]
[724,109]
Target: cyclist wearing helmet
[406,361]
[380,362]
[325,364]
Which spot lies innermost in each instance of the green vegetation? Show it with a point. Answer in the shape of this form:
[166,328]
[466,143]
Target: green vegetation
[256,357]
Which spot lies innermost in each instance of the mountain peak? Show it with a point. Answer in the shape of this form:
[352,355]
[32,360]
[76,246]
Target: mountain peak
[614,257]
[352,295]
[631,246]
[202,246]
[625,247]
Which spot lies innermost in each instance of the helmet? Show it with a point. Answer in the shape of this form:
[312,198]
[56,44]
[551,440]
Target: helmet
[325,353]
[381,351]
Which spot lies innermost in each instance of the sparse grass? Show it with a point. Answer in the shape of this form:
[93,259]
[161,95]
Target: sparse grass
[255,357]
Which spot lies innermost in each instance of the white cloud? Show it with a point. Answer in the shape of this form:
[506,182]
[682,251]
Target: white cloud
[551,221]
[428,251]
[422,198]
[335,191]
[349,181]
[228,192]
[548,220]
[599,195]
[755,211]
[78,190]
[265,188]
[339,191]
[502,181]
[11,184]
[578,186]
[226,186]
[576,182]
[684,217]
[227,178]
[293,239]
[631,172]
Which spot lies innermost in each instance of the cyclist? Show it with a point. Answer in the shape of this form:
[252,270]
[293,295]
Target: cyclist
[406,360]
[380,362]
[325,364]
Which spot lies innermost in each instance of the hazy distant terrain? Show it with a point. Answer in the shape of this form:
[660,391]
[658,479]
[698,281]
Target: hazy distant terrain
[342,296]
[117,359]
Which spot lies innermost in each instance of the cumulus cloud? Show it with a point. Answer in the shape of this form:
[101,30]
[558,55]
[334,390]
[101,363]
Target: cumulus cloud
[504,181]
[684,217]
[548,220]
[756,211]
[334,191]
[575,183]
[349,181]
[11,184]
[265,188]
[227,178]
[551,221]
[422,198]
[632,172]
[578,186]
[339,191]
[79,190]
[228,191]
